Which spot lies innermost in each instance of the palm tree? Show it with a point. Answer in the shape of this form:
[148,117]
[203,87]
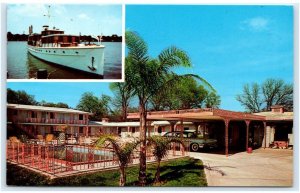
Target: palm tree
[122,151]
[161,145]
[149,76]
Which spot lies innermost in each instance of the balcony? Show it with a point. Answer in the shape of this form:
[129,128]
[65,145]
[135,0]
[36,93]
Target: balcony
[51,121]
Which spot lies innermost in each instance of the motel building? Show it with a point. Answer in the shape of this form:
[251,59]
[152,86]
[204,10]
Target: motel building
[234,131]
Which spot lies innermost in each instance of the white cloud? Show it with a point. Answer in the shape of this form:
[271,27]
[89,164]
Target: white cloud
[83,16]
[256,24]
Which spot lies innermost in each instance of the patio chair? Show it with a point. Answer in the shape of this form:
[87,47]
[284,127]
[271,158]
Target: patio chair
[49,138]
[14,139]
[61,139]
[80,140]
[40,139]
[87,141]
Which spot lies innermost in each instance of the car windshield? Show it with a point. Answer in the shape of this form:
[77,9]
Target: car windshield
[178,134]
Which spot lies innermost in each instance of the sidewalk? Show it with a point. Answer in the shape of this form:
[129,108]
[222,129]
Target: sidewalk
[263,167]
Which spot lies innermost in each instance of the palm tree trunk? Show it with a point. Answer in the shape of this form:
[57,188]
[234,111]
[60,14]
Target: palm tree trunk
[124,116]
[122,176]
[143,121]
[157,174]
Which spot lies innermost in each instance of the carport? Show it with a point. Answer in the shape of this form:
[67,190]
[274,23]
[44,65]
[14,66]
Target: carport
[207,115]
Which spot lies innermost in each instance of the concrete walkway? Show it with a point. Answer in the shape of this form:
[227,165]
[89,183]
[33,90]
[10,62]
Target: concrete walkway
[263,167]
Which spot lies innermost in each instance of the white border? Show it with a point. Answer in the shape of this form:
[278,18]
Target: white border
[295,3]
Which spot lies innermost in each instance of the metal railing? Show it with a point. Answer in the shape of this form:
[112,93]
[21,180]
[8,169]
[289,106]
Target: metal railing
[59,159]
[50,121]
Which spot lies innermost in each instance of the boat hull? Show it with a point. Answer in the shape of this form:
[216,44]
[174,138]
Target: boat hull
[87,58]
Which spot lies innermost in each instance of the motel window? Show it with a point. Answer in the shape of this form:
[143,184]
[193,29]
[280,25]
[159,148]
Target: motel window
[159,130]
[44,115]
[133,129]
[80,129]
[80,117]
[15,112]
[33,114]
[52,115]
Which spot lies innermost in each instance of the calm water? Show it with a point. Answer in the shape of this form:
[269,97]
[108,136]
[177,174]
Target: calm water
[22,65]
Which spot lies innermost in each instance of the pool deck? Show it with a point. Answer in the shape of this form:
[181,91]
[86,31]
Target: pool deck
[262,167]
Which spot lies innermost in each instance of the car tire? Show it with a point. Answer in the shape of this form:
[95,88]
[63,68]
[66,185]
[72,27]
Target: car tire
[194,147]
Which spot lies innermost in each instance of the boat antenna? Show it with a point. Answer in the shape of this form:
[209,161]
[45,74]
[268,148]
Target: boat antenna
[100,38]
[48,15]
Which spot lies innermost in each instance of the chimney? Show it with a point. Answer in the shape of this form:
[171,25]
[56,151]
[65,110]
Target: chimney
[277,109]
[105,120]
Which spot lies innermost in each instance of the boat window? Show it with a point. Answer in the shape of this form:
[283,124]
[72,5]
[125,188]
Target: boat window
[65,39]
[76,52]
[54,51]
[63,51]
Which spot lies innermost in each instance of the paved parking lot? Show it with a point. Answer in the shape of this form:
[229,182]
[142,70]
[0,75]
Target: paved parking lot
[263,167]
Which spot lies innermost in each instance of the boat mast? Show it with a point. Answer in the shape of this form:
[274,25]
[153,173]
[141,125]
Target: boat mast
[48,15]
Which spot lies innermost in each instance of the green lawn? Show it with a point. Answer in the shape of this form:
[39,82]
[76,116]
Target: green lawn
[179,172]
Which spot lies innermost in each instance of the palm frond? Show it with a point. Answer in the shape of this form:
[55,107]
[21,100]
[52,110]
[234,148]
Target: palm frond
[161,145]
[137,47]
[123,151]
[174,56]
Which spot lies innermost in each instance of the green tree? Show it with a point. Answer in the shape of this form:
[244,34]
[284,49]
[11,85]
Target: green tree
[212,100]
[271,92]
[98,106]
[190,94]
[122,151]
[251,98]
[20,97]
[147,77]
[186,94]
[50,104]
[161,145]
[123,93]
[276,92]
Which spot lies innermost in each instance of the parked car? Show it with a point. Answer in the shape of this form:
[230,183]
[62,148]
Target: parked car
[195,142]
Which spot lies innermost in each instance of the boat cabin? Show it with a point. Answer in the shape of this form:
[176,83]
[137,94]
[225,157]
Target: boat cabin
[34,39]
[52,38]
[47,31]
[59,40]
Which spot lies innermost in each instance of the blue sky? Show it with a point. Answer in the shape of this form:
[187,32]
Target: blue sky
[229,46]
[84,18]
[65,92]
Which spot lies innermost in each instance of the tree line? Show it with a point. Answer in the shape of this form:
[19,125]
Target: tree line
[22,97]
[260,97]
[84,38]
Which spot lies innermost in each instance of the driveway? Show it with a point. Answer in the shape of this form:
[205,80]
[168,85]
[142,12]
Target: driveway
[263,167]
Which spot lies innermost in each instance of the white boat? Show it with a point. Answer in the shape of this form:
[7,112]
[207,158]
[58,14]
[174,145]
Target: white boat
[52,45]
